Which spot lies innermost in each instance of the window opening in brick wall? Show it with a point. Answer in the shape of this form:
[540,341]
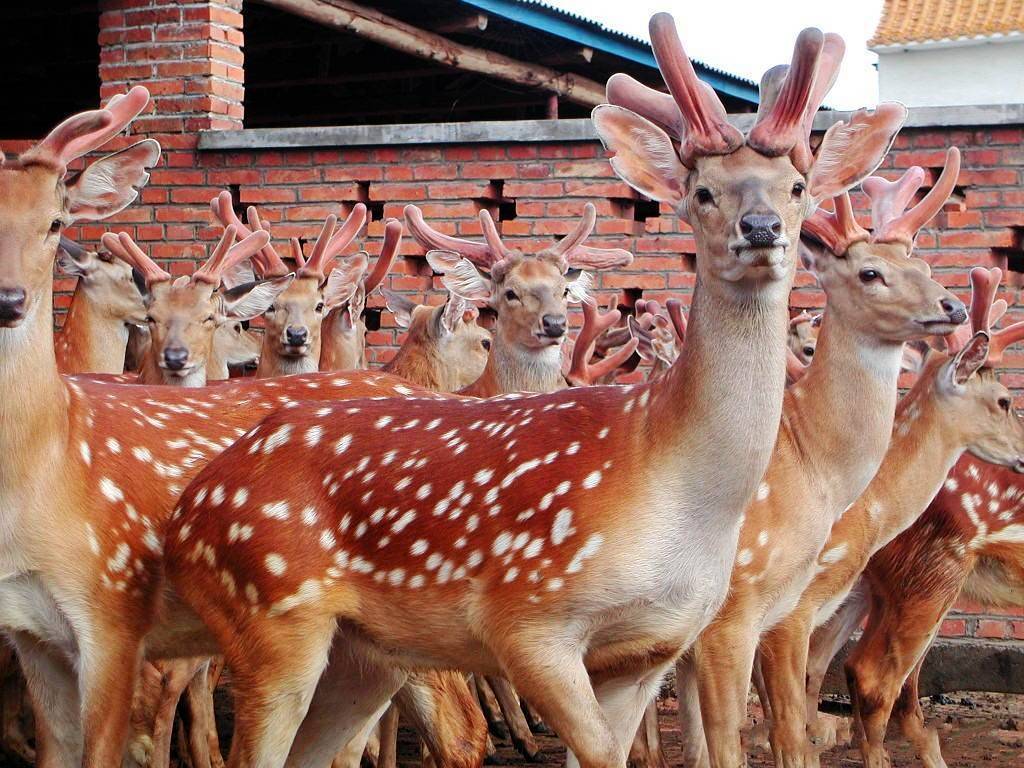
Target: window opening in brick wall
[374,208]
[371,317]
[1012,257]
[500,207]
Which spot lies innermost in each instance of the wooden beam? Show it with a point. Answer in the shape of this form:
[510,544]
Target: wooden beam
[477,21]
[374,25]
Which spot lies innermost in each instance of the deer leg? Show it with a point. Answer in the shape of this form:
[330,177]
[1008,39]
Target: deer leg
[491,709]
[54,692]
[783,660]
[508,700]
[909,715]
[273,694]
[724,659]
[154,708]
[387,757]
[350,698]
[444,712]
[198,728]
[532,718]
[17,715]
[646,751]
[364,746]
[691,724]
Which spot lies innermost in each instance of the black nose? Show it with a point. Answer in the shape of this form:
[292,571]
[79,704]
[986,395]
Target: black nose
[175,358]
[554,325]
[296,336]
[954,309]
[12,303]
[761,229]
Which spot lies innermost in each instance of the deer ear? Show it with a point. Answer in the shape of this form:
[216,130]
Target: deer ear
[850,152]
[343,282]
[111,183]
[237,275]
[968,360]
[453,312]
[463,279]
[399,306]
[578,284]
[814,257]
[251,301]
[75,262]
[643,154]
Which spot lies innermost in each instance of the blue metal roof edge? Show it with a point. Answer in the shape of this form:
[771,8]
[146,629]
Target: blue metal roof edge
[564,24]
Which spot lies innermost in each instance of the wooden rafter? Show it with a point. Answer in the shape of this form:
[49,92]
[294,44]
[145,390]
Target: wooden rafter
[384,30]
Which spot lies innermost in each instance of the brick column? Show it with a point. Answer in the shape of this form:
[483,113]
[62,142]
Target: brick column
[187,52]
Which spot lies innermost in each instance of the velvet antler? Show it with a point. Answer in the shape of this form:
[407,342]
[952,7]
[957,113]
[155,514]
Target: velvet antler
[985,311]
[582,372]
[836,230]
[267,260]
[124,248]
[228,254]
[331,241]
[484,255]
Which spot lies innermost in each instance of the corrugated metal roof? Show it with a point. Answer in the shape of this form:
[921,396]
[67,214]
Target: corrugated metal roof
[571,26]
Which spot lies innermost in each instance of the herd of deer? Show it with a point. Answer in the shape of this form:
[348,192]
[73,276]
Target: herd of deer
[342,538]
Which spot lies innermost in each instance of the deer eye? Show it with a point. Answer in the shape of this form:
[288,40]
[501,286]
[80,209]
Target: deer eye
[869,275]
[798,189]
[703,195]
[1004,403]
[809,351]
[149,319]
[55,226]
[511,296]
[486,344]
[271,309]
[320,307]
[209,319]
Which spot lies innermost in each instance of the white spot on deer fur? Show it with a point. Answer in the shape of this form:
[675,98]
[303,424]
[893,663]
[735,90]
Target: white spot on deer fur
[533,548]
[502,543]
[592,480]
[113,446]
[275,564]
[90,535]
[400,524]
[217,496]
[279,437]
[86,452]
[277,510]
[588,550]
[117,563]
[483,476]
[309,515]
[511,574]
[142,454]
[110,490]
[762,491]
[383,421]
[434,561]
[150,539]
[241,496]
[313,435]
[553,585]
[744,557]
[573,449]
[1011,534]
[251,594]
[762,538]
[417,581]
[327,540]
[972,472]
[396,577]
[239,532]
[522,469]
[342,445]
[562,528]
[419,547]
[491,496]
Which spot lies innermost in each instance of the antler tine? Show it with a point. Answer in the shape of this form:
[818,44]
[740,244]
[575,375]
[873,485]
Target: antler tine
[478,253]
[836,230]
[297,256]
[86,131]
[675,314]
[227,254]
[707,131]
[224,212]
[347,232]
[984,284]
[889,199]
[124,248]
[581,372]
[580,232]
[829,63]
[780,130]
[623,91]
[1002,339]
[314,266]
[388,252]
[492,236]
[273,265]
[904,228]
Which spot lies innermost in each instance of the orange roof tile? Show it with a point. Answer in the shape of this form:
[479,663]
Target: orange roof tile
[917,21]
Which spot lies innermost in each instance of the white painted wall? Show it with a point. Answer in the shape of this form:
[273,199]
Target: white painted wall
[975,73]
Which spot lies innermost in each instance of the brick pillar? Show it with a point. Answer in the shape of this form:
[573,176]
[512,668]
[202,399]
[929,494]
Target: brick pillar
[187,52]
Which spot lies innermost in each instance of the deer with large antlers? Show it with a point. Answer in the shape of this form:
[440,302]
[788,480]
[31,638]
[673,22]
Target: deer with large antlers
[575,541]
[101,463]
[317,323]
[184,314]
[950,410]
[878,297]
[529,293]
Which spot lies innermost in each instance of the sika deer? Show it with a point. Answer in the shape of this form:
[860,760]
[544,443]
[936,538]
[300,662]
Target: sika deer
[445,350]
[534,536]
[107,301]
[101,463]
[803,335]
[878,298]
[184,314]
[530,295]
[949,410]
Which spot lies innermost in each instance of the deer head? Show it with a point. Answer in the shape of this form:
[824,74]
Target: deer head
[234,345]
[444,348]
[745,196]
[871,278]
[529,293]
[40,198]
[184,313]
[109,283]
[803,336]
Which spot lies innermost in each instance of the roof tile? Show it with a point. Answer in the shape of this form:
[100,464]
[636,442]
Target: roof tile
[918,21]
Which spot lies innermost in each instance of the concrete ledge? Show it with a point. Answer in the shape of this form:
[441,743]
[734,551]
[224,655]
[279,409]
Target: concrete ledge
[956,665]
[527,131]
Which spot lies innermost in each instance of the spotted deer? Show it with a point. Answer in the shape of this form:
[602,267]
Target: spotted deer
[803,335]
[184,313]
[529,293]
[568,540]
[317,324]
[444,349]
[951,409]
[101,463]
[878,297]
[106,303]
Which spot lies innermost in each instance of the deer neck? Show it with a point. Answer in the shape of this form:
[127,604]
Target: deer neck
[217,367]
[851,381]
[35,421]
[514,368]
[720,404]
[90,341]
[342,347]
[925,446]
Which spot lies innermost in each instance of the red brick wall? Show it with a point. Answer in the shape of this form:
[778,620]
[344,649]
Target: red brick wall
[189,55]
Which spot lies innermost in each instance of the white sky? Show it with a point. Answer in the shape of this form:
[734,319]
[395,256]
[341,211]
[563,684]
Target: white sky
[746,37]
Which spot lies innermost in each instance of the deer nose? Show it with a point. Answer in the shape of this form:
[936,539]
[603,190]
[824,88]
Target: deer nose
[761,230]
[296,335]
[554,325]
[955,310]
[12,304]
[175,358]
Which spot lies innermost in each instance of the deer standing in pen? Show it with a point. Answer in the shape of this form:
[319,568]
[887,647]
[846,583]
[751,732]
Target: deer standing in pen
[575,541]
[102,464]
[317,324]
[878,298]
[951,409]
